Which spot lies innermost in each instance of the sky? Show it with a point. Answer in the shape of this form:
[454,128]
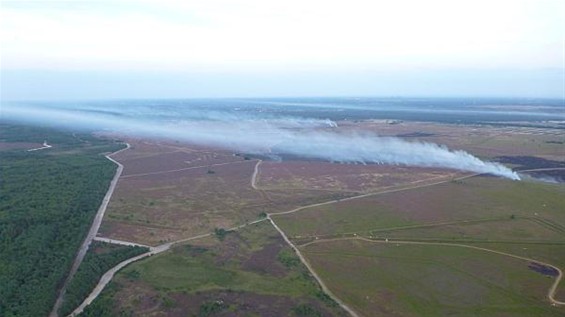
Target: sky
[247,48]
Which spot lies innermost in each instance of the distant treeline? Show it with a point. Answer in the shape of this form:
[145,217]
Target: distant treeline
[47,202]
[100,258]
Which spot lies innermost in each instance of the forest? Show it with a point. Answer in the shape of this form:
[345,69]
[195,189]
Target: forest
[100,258]
[48,199]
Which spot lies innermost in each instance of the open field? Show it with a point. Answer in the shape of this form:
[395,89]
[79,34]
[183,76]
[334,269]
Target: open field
[249,272]
[344,177]
[482,140]
[165,203]
[173,191]
[474,198]
[522,218]
[421,280]
[5,146]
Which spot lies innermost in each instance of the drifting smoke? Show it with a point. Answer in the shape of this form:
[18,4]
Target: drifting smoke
[259,133]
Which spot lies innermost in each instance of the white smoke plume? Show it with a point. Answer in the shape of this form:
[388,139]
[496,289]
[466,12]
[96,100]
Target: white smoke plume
[263,134]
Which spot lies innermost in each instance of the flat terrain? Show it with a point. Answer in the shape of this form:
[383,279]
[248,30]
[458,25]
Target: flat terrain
[344,177]
[168,202]
[451,203]
[5,146]
[481,140]
[427,229]
[249,272]
[522,218]
[420,280]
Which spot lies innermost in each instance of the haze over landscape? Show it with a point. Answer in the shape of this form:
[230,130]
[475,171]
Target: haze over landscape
[282,158]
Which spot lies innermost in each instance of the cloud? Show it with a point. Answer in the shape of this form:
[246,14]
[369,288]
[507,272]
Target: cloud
[222,34]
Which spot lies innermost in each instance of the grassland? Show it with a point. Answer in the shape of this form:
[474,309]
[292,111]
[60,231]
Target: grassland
[522,218]
[473,199]
[422,280]
[251,272]
[158,200]
[171,191]
[481,140]
[344,178]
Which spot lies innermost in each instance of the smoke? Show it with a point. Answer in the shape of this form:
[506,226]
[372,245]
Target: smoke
[258,133]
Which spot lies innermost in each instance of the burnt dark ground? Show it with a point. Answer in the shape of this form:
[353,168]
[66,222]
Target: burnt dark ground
[529,162]
[543,269]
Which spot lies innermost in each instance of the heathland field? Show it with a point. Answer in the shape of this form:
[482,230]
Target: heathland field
[384,240]
[250,272]
[458,209]
[394,279]
[424,252]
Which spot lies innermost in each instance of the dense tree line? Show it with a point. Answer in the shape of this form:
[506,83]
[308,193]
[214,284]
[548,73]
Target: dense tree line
[94,265]
[48,199]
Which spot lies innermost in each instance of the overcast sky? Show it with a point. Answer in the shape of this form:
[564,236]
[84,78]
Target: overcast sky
[221,48]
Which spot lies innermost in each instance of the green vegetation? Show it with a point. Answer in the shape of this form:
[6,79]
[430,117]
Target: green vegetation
[487,199]
[47,201]
[430,280]
[288,258]
[195,269]
[210,308]
[100,258]
[103,305]
[304,310]
[522,218]
[246,264]
[220,233]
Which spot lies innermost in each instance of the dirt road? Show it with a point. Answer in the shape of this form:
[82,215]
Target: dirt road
[120,242]
[91,233]
[107,277]
[45,146]
[254,176]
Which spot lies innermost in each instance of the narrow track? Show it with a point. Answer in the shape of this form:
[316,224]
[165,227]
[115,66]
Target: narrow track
[91,233]
[107,277]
